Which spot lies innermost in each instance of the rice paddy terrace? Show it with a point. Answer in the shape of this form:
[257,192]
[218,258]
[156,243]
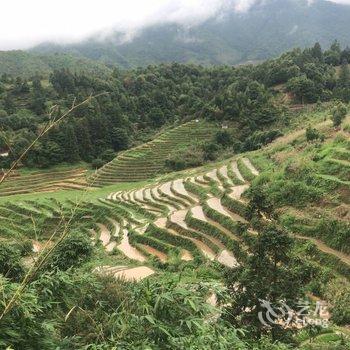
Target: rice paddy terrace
[198,217]
[148,160]
[71,179]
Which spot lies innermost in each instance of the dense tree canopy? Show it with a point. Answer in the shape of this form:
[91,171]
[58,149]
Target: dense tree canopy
[132,105]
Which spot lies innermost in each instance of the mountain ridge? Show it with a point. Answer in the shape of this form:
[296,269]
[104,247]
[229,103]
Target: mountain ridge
[266,30]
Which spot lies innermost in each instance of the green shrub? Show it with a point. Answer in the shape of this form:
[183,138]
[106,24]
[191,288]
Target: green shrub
[10,262]
[259,139]
[185,158]
[246,173]
[97,163]
[234,205]
[294,193]
[71,252]
[177,241]
[313,134]
[197,190]
[338,293]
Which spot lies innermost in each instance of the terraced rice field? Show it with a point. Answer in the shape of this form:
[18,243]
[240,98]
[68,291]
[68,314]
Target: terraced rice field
[44,182]
[178,219]
[197,218]
[182,218]
[148,160]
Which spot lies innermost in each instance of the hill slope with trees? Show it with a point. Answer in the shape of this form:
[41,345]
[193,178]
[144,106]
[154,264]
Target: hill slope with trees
[28,64]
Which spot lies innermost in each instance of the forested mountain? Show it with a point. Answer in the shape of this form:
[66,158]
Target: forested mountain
[134,105]
[266,30]
[28,64]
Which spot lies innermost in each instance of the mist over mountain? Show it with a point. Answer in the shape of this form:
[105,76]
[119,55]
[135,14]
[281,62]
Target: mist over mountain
[266,29]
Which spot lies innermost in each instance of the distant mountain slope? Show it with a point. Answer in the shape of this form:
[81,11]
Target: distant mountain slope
[269,28]
[21,63]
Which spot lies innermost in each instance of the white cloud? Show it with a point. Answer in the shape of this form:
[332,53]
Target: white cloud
[28,22]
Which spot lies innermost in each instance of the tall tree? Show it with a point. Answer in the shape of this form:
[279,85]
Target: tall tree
[270,275]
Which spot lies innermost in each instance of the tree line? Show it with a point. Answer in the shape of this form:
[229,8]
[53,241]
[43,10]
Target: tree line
[138,103]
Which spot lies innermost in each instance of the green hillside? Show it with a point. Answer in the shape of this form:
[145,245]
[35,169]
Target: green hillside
[200,222]
[149,160]
[218,217]
[27,64]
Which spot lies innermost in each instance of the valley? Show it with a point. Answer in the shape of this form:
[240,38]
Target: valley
[177,206]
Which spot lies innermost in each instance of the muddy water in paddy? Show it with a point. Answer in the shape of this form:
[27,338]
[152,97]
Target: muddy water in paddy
[157,196]
[200,181]
[227,259]
[117,228]
[147,194]
[161,222]
[128,250]
[37,246]
[237,191]
[179,218]
[110,246]
[105,235]
[179,187]
[165,188]
[139,195]
[213,175]
[215,204]
[223,171]
[136,273]
[197,213]
[160,255]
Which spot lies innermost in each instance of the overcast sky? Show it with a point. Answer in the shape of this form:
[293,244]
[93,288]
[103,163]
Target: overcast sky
[25,23]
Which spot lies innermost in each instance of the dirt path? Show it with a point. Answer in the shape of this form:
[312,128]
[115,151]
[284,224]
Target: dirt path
[128,250]
[324,248]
